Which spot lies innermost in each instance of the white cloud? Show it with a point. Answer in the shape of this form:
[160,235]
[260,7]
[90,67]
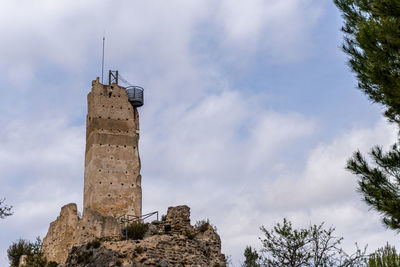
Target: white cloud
[277,28]
[203,143]
[322,192]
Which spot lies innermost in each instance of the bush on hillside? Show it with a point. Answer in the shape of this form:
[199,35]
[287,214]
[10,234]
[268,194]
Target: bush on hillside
[137,230]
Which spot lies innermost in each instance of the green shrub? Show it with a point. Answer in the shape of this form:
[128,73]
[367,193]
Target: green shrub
[203,225]
[84,257]
[93,244]
[137,230]
[139,250]
[190,235]
[386,256]
[163,218]
[36,260]
[33,251]
[17,249]
[52,264]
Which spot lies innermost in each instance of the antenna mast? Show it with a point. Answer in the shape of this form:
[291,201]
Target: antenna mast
[102,60]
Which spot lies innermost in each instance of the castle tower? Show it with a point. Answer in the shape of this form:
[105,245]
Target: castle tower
[112,165]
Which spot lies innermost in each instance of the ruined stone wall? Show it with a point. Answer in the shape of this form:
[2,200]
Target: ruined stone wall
[183,245]
[112,165]
[93,226]
[69,230]
[61,235]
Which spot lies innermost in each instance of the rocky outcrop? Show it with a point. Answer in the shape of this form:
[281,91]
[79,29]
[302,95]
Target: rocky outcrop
[61,235]
[172,242]
[69,230]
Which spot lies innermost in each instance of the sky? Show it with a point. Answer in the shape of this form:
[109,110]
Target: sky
[250,114]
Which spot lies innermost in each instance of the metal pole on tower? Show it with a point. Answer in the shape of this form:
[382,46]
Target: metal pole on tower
[102,60]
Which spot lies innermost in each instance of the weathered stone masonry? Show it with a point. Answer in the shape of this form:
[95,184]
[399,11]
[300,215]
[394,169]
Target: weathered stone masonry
[112,187]
[112,165]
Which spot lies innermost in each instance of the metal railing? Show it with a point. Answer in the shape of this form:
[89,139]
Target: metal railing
[127,219]
[135,95]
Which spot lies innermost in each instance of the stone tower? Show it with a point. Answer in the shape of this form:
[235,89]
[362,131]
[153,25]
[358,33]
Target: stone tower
[112,164]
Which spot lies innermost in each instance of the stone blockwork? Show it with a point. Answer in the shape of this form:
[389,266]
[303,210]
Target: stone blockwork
[61,235]
[112,164]
[93,225]
[69,230]
[112,187]
[183,245]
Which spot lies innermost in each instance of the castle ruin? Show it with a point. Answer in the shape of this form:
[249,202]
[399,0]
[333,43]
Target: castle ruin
[112,164]
[112,190]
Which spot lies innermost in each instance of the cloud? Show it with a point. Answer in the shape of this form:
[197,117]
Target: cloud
[323,191]
[205,141]
[277,28]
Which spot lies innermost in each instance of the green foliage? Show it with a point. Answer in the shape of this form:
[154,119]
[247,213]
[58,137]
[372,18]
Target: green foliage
[190,235]
[33,251]
[372,41]
[163,218]
[36,260]
[84,257]
[118,263]
[5,210]
[93,244]
[52,264]
[379,182]
[17,249]
[203,225]
[252,258]
[137,230]
[314,246]
[139,250]
[384,257]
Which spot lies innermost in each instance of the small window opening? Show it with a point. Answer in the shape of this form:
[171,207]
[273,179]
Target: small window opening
[109,94]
